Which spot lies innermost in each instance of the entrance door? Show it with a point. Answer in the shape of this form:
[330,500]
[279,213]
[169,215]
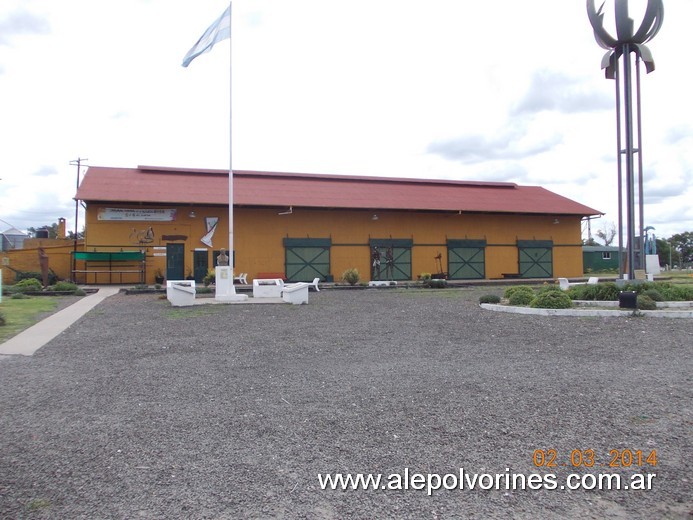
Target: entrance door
[306,259]
[466,259]
[401,254]
[535,258]
[175,261]
[200,265]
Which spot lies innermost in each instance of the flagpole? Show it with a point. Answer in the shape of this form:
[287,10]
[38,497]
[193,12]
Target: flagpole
[227,292]
[231,249]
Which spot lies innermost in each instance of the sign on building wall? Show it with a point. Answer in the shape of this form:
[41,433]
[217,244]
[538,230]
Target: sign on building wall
[137,214]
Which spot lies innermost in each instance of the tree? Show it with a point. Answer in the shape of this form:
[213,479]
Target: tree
[51,229]
[682,243]
[607,233]
[53,232]
[664,252]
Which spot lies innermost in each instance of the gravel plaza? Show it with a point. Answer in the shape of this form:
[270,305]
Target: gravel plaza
[142,410]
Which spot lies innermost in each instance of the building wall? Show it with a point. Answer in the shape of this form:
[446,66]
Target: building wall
[594,261]
[59,258]
[259,234]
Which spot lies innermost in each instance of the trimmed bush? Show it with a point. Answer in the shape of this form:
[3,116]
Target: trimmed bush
[521,298]
[550,288]
[28,285]
[645,303]
[489,298]
[518,288]
[437,283]
[64,286]
[424,277]
[351,276]
[654,294]
[552,300]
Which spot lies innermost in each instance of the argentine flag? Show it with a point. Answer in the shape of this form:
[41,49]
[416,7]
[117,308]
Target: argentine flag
[218,31]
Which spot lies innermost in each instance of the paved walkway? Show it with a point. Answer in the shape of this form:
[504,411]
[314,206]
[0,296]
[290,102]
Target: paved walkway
[30,340]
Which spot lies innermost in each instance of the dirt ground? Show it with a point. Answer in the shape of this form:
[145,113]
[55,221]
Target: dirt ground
[141,410]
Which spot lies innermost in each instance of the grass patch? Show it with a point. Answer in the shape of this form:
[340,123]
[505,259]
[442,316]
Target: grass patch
[23,313]
[38,504]
[683,278]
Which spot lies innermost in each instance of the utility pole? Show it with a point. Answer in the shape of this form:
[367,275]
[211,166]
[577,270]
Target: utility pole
[78,163]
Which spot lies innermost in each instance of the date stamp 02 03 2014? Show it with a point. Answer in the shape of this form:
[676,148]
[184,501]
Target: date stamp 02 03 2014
[588,458]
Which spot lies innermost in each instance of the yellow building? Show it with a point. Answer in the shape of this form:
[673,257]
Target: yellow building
[303,226]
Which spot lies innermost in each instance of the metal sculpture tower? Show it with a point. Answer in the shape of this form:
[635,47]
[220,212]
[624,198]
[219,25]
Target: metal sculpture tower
[623,46]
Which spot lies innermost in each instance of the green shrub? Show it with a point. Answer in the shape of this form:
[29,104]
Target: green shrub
[550,288]
[683,292]
[64,286]
[489,298]
[23,275]
[204,290]
[654,294]
[552,300]
[437,283]
[210,277]
[518,288]
[80,292]
[19,296]
[28,285]
[674,292]
[521,298]
[645,303]
[424,277]
[607,291]
[351,276]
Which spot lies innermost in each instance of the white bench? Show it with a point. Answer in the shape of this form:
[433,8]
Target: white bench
[267,287]
[180,293]
[381,283]
[296,293]
[565,284]
[241,278]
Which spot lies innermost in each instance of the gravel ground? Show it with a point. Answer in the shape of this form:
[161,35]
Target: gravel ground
[141,410]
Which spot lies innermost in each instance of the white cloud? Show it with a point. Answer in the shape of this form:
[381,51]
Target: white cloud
[501,90]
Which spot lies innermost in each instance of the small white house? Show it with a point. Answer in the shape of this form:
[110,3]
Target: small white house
[12,239]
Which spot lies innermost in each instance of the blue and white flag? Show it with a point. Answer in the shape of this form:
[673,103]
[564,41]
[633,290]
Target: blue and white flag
[218,31]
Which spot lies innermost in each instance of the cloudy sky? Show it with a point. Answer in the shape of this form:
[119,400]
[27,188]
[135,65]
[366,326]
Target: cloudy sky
[493,90]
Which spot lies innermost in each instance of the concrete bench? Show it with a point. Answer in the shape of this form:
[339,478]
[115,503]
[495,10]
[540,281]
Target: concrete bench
[267,287]
[296,293]
[381,283]
[180,293]
[565,284]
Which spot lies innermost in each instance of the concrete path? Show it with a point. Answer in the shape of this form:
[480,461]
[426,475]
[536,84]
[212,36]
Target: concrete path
[30,340]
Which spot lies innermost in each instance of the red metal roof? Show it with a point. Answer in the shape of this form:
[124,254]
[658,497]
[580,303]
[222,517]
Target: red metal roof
[251,188]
